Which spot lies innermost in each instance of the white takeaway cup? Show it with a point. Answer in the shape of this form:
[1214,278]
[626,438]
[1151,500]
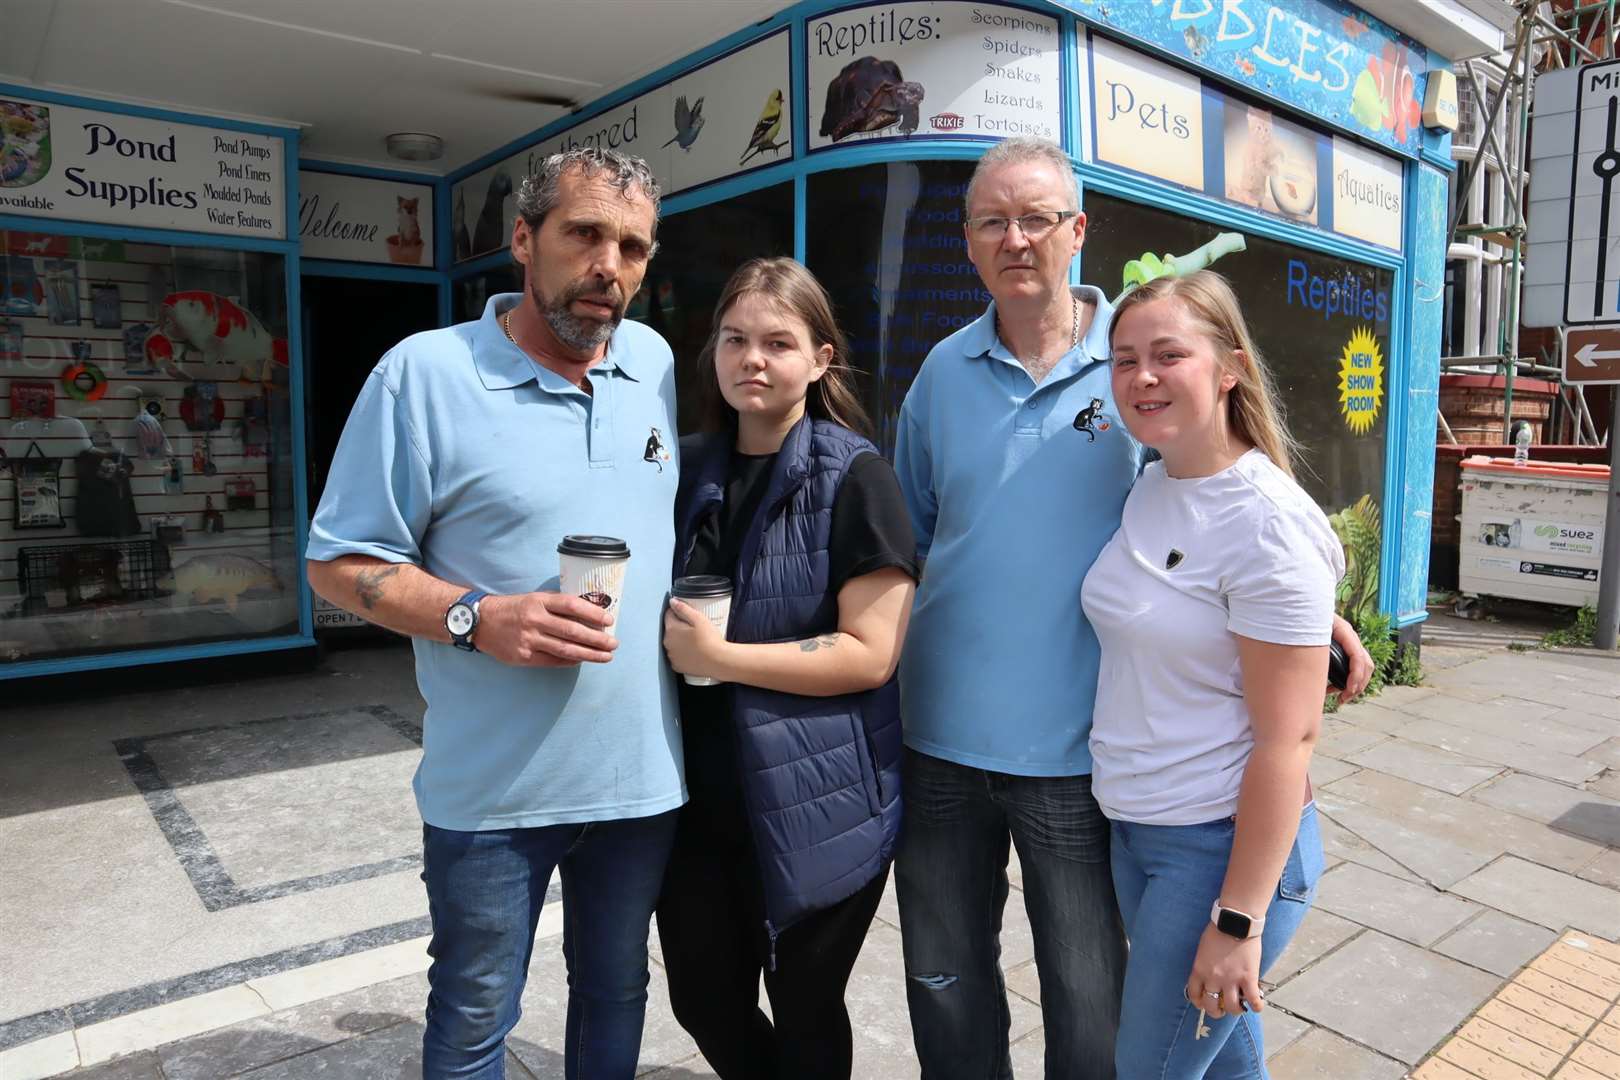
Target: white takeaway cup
[710,594]
[593,568]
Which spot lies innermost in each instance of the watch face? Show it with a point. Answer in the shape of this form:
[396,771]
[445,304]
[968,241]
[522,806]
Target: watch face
[459,619]
[1233,923]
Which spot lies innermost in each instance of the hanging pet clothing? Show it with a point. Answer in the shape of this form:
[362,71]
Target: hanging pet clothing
[213,520]
[202,457]
[135,362]
[39,490]
[201,406]
[241,494]
[255,427]
[150,438]
[84,382]
[32,398]
[105,505]
[11,341]
[173,480]
[106,307]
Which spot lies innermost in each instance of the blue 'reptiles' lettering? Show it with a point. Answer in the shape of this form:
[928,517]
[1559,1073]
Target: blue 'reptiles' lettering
[1334,296]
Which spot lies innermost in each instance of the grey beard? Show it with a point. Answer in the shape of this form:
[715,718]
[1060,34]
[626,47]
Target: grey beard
[572,331]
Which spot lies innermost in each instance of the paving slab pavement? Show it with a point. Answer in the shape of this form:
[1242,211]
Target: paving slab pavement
[1470,825]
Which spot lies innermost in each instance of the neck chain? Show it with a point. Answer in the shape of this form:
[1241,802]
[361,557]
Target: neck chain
[506,324]
[1074,331]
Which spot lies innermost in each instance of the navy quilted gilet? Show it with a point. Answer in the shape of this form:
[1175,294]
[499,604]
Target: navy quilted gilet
[820,775]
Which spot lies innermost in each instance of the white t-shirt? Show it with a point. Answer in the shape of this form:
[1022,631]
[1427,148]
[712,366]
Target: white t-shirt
[1194,562]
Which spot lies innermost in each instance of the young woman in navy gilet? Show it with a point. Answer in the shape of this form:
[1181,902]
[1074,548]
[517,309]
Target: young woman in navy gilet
[792,761]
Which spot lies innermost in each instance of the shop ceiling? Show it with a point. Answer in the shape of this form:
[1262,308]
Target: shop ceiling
[352,71]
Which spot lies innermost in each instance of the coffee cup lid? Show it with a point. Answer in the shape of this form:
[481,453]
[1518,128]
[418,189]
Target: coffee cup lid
[594,547]
[700,586]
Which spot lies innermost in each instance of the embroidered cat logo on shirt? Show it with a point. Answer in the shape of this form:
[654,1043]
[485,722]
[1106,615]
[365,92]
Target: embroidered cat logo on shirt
[655,452]
[1092,420]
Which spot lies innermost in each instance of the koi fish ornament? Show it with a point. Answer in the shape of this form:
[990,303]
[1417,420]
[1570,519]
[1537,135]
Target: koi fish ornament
[220,331]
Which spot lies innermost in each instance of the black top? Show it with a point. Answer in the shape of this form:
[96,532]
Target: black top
[871,531]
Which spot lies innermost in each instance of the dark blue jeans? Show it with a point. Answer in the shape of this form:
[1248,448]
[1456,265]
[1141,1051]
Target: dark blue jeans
[485,890]
[951,882]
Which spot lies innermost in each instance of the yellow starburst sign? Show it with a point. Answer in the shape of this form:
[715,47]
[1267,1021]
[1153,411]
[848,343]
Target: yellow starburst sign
[1361,381]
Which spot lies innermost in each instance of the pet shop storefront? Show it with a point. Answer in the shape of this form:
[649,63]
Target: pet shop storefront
[1281,142]
[189,309]
[151,500]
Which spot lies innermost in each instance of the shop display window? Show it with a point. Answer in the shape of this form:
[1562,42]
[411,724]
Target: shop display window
[146,490]
[886,240]
[471,293]
[1321,323]
[697,252]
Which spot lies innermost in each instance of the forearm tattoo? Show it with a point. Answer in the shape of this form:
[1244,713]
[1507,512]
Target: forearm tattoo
[368,584]
[824,641]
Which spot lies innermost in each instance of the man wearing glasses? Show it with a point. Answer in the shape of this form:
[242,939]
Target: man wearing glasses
[1011,503]
[1015,469]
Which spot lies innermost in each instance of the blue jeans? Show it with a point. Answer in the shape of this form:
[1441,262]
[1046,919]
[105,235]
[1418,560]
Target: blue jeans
[485,890]
[951,882]
[1168,877]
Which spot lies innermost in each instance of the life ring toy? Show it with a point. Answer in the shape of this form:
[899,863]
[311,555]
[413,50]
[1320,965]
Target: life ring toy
[84,382]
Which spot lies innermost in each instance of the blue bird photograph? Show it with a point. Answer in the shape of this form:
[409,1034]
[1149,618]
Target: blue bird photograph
[688,122]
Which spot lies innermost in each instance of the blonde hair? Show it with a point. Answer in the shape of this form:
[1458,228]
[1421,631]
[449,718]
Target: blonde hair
[1252,411]
[795,290]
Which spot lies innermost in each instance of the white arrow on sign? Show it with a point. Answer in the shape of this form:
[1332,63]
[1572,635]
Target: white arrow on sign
[1590,354]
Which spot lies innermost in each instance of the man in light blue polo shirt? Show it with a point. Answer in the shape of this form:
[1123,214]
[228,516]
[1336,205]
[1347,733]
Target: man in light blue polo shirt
[1015,469]
[551,737]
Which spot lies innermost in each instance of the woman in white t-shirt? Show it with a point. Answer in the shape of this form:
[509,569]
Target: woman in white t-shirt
[1214,606]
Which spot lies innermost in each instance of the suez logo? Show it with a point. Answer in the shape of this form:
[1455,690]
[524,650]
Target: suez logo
[1555,532]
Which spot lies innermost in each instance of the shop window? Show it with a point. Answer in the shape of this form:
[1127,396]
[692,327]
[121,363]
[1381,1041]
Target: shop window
[886,241]
[473,292]
[1321,323]
[146,497]
[697,252]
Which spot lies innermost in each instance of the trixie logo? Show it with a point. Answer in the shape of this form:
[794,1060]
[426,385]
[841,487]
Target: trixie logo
[946,121]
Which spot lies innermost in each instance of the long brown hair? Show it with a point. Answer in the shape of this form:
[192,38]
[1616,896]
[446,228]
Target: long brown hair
[795,290]
[1252,411]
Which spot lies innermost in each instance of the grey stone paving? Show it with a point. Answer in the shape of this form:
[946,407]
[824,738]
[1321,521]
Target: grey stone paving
[1465,822]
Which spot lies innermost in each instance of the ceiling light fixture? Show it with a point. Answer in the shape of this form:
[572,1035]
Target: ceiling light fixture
[415,146]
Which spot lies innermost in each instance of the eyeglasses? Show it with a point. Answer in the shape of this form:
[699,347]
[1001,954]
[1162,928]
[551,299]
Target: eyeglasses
[1035,227]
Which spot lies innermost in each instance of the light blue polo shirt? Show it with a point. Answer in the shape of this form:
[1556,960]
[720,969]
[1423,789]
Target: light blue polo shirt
[1011,505]
[465,457]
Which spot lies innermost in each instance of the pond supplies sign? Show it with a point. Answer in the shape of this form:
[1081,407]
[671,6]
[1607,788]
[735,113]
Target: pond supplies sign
[364,220]
[940,70]
[73,164]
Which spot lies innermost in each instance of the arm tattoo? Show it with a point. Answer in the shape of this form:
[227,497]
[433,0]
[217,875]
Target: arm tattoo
[825,641]
[368,584]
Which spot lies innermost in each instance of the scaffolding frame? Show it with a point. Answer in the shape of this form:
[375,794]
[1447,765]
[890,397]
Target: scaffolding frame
[1488,226]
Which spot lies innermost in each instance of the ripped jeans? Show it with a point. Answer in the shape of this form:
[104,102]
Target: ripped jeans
[951,882]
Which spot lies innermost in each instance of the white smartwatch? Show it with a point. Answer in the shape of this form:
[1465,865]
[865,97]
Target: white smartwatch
[1234,923]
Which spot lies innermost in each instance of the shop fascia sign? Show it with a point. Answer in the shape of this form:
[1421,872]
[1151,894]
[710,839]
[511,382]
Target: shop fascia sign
[1159,120]
[1321,57]
[936,70]
[69,164]
[362,219]
[730,115]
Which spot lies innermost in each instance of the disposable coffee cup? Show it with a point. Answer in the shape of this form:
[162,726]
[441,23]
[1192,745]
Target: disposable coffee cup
[711,595]
[592,568]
